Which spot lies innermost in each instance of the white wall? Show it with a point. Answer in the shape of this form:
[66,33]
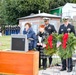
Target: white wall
[69,10]
[34,25]
[22,27]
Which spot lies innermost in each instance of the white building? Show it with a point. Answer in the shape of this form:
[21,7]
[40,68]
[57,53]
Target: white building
[69,9]
[38,19]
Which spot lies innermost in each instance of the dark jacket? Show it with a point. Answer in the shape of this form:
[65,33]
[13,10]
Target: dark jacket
[40,48]
[66,29]
[50,29]
[31,34]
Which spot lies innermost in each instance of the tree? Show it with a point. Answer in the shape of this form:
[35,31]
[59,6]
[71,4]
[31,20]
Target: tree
[74,1]
[13,9]
[56,3]
[10,10]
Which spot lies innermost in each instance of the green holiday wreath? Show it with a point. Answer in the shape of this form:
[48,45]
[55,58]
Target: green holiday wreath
[67,47]
[50,42]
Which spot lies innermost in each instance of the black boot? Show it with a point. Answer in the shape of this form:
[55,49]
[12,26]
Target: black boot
[50,60]
[70,65]
[44,63]
[39,62]
[63,64]
[69,70]
[63,69]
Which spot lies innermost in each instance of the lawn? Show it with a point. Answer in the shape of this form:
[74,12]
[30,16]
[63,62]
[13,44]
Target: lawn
[5,42]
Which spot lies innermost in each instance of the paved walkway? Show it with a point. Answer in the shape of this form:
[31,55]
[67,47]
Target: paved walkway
[56,71]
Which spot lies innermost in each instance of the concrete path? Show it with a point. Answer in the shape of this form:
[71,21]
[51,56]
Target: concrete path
[56,71]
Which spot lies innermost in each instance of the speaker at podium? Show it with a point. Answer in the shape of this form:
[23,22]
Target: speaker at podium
[19,42]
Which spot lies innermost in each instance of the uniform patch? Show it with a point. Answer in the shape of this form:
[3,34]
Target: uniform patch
[61,29]
[68,29]
[49,27]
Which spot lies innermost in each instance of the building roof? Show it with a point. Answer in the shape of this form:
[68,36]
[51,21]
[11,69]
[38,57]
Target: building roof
[40,15]
[73,5]
[70,6]
[57,8]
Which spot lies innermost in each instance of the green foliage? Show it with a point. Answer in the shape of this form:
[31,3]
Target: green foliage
[57,3]
[51,51]
[71,43]
[10,10]
[63,53]
[2,25]
[5,42]
[13,9]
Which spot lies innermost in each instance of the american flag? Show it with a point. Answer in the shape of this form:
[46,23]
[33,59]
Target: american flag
[58,44]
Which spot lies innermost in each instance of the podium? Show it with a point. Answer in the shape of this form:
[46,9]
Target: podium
[18,62]
[19,42]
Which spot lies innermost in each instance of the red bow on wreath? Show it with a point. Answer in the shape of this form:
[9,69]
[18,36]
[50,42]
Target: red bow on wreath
[65,39]
[50,38]
[47,46]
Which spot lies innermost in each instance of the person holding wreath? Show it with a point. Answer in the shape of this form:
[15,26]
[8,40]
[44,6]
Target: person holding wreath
[65,28]
[49,28]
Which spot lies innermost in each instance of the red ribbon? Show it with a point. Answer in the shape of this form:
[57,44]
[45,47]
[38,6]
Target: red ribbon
[65,39]
[50,38]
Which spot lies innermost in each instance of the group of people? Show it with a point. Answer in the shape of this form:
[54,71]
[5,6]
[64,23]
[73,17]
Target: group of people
[37,41]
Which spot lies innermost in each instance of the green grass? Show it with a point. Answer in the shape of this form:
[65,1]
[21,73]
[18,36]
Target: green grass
[5,42]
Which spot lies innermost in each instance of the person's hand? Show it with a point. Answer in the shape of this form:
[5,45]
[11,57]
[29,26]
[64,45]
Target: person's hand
[44,45]
[39,44]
